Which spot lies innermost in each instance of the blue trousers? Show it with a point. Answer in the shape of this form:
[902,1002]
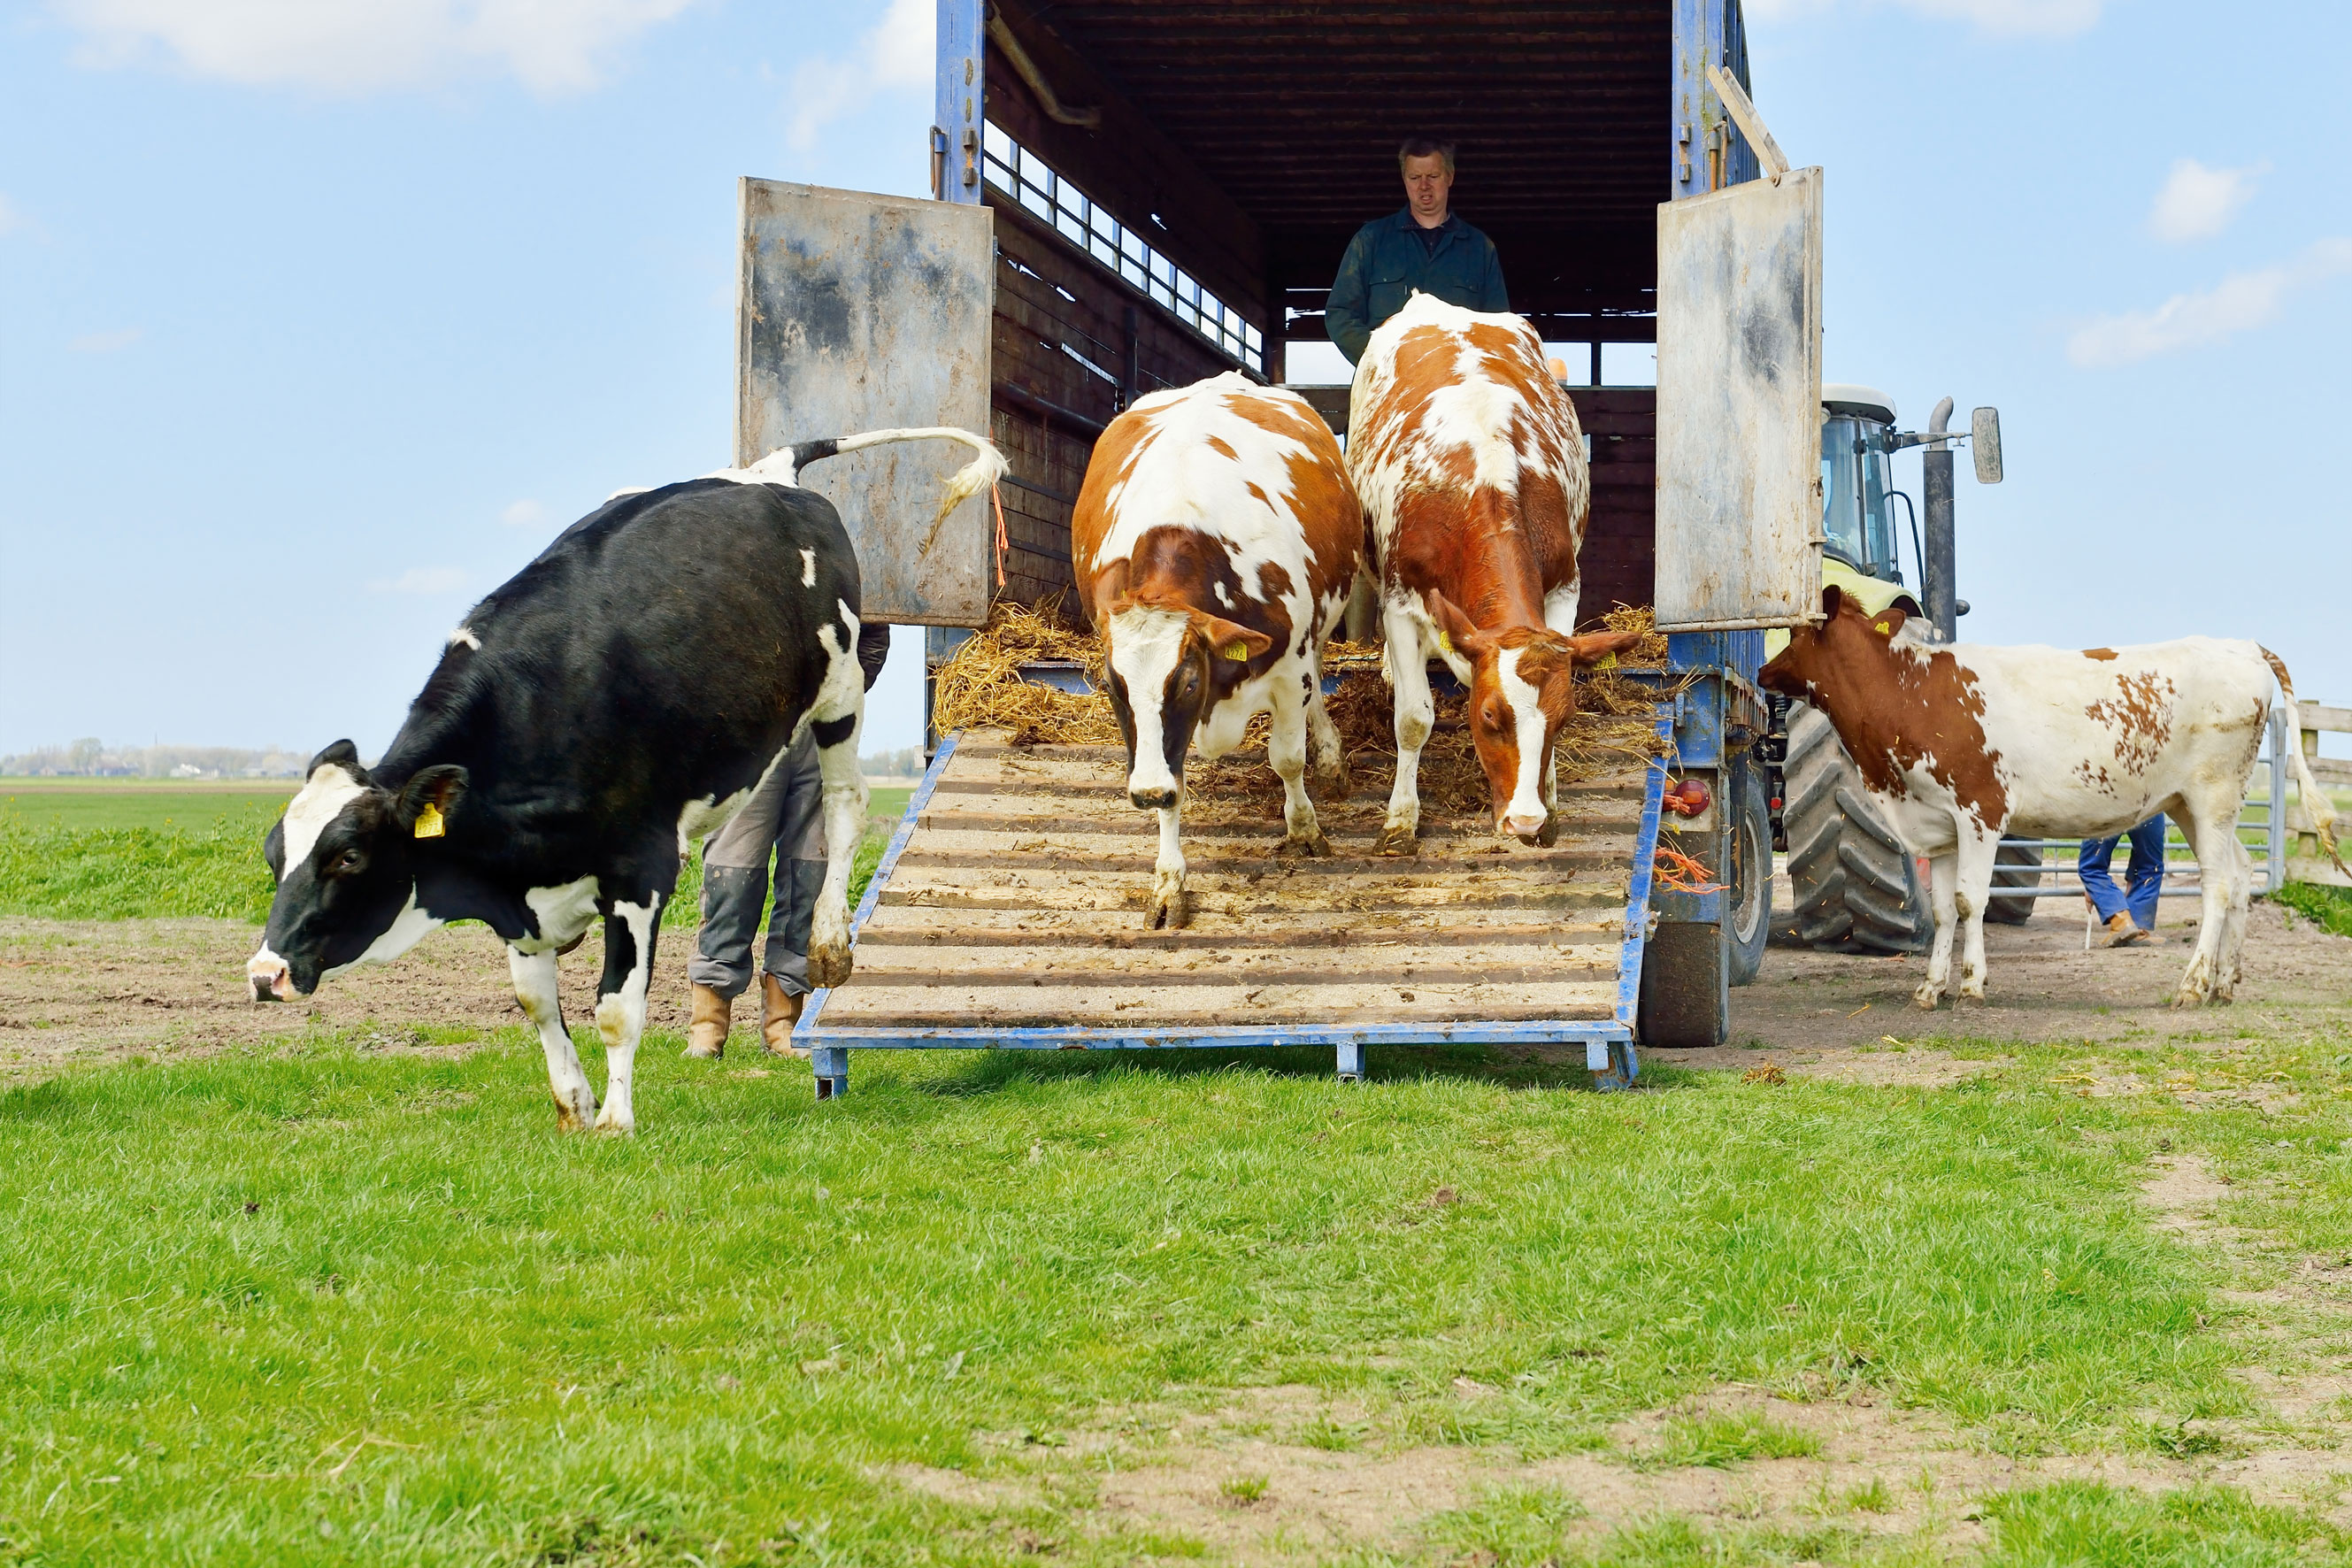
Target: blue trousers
[2144,873]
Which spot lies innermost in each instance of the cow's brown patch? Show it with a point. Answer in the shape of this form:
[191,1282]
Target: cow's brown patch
[1895,708]
[1218,445]
[2140,714]
[2098,653]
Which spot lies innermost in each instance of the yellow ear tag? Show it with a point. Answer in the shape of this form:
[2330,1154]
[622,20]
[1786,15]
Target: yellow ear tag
[1239,650]
[1880,625]
[1608,661]
[428,822]
[1444,643]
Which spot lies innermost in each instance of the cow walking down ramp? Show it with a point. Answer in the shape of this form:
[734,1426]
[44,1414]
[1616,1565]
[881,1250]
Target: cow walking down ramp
[1471,467]
[620,697]
[1957,746]
[1214,538]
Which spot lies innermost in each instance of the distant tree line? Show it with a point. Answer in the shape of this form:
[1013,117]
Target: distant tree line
[87,758]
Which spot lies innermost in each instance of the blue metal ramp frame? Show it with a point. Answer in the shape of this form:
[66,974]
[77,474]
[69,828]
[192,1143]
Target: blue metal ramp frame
[1607,1043]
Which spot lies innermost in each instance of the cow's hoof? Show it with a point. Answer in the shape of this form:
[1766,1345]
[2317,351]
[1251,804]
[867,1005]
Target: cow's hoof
[1168,911]
[1926,998]
[1312,844]
[571,1117]
[1397,841]
[611,1126]
[1551,834]
[829,966]
[1332,783]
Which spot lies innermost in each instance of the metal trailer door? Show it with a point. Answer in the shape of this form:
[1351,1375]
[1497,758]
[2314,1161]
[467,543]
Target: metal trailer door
[1740,405]
[859,312]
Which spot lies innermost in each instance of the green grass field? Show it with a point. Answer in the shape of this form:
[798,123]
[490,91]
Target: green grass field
[330,1303]
[156,853]
[331,1306]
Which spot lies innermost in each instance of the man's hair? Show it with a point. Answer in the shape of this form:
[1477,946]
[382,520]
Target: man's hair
[1425,147]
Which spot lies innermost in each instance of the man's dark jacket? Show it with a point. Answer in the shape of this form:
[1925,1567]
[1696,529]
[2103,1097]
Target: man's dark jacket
[1386,261]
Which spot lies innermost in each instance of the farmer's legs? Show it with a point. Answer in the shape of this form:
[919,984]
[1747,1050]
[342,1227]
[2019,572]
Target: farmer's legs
[2093,865]
[2144,874]
[735,886]
[800,868]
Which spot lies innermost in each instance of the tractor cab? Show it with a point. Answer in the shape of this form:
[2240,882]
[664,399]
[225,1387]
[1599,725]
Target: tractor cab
[1858,493]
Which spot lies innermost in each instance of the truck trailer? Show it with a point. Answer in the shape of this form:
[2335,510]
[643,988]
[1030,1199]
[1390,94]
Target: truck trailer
[1131,194]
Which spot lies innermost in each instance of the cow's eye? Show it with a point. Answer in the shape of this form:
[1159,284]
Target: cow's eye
[349,863]
[1493,717]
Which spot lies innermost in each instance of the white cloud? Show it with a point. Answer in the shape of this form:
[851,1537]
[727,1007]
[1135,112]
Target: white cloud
[522,514]
[2240,302]
[106,342]
[366,46]
[421,579]
[899,53]
[2038,19]
[2197,203]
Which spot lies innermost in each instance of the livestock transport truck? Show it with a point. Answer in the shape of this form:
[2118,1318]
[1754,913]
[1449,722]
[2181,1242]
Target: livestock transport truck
[1130,194]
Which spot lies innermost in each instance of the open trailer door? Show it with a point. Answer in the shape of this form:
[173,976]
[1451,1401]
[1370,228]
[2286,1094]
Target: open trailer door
[854,312]
[1740,405]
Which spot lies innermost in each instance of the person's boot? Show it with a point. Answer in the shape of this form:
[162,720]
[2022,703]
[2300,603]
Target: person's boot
[2122,932]
[713,1015]
[778,1013]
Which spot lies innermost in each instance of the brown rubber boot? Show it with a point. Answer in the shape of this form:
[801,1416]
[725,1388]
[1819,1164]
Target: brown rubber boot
[778,1013]
[713,1015]
[2121,933]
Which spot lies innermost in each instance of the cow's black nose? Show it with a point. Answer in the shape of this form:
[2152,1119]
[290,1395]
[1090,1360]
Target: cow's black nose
[261,991]
[1151,800]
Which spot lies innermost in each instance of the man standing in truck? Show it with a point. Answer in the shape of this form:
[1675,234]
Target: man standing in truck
[1424,247]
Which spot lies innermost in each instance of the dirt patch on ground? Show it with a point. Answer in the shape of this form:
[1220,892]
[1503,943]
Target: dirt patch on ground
[77,991]
[1813,1010]
[1285,1475]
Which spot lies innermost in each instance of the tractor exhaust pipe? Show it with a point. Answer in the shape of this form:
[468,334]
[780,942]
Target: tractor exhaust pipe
[1942,564]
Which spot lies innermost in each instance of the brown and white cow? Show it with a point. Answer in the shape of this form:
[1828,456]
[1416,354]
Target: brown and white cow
[1471,466]
[1959,743]
[1215,540]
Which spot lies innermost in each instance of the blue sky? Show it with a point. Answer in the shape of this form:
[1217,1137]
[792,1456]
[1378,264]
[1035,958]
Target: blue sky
[318,318]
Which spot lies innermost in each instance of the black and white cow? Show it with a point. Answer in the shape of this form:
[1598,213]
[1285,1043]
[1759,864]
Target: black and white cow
[620,697]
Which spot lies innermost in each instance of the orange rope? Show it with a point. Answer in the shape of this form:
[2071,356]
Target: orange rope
[997,495]
[1678,873]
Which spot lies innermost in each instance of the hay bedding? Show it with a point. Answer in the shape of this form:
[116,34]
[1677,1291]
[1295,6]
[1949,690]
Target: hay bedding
[981,688]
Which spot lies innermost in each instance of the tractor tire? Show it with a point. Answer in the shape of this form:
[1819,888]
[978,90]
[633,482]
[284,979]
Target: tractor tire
[2006,874]
[1856,888]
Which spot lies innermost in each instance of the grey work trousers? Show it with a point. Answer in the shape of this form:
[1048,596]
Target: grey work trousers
[784,818]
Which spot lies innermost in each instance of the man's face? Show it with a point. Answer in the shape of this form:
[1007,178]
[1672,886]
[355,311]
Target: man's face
[1426,184]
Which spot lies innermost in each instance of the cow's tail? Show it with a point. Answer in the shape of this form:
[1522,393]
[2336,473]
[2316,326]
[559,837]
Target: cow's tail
[987,466]
[2314,799]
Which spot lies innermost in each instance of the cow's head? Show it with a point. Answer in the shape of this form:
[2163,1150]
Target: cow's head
[1169,662]
[346,856]
[1522,690]
[1848,639]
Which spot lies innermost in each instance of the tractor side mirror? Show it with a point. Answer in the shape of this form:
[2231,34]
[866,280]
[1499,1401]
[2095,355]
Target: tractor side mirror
[1984,444]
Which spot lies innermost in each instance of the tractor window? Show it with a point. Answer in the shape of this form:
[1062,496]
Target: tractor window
[1841,493]
[1856,479]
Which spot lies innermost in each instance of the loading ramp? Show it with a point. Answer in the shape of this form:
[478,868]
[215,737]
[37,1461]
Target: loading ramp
[1007,913]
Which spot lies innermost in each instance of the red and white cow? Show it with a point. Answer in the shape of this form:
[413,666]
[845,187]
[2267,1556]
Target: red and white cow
[1215,540]
[1961,743]
[1471,467]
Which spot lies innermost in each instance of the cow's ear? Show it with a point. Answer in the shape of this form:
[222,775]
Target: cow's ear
[1109,587]
[1594,647]
[1831,597]
[1230,640]
[1458,629]
[430,798]
[273,849]
[342,754]
[1888,622]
